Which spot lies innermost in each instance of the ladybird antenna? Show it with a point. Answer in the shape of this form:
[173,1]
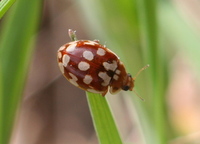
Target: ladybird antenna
[141,71]
[72,34]
[136,77]
[138,95]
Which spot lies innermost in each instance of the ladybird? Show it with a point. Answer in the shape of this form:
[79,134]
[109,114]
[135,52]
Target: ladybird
[93,67]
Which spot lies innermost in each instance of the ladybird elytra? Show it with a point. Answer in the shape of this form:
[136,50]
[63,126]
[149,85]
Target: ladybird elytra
[93,67]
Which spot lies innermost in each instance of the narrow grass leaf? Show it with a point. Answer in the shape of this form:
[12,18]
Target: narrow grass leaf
[15,53]
[104,124]
[148,15]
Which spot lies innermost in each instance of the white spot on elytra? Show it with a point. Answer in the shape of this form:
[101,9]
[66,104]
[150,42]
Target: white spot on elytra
[73,76]
[65,60]
[101,52]
[61,67]
[83,66]
[62,48]
[90,43]
[117,71]
[71,47]
[59,55]
[105,78]
[73,79]
[116,77]
[93,91]
[111,66]
[87,79]
[88,55]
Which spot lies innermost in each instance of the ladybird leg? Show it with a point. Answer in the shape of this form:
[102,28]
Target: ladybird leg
[104,93]
[114,89]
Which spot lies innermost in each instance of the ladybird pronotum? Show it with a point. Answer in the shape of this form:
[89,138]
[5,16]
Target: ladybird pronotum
[93,67]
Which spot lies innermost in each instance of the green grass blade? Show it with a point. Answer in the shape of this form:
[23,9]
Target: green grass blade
[148,15]
[15,53]
[4,6]
[103,121]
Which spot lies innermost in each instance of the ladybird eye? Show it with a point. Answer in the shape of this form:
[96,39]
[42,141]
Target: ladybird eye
[126,88]
[129,75]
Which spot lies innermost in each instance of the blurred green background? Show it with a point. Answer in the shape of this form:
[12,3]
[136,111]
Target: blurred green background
[37,104]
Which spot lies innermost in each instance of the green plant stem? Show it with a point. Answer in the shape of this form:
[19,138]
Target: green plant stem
[104,124]
[4,6]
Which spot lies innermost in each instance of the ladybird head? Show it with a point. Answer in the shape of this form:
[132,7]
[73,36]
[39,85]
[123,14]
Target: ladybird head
[128,83]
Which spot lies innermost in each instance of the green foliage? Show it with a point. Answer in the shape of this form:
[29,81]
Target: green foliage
[136,30]
[15,53]
[137,21]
